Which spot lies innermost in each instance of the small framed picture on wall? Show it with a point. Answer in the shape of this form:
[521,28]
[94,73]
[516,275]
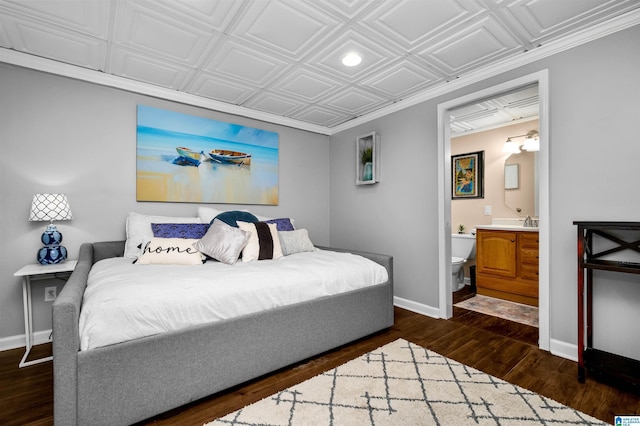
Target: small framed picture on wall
[467,180]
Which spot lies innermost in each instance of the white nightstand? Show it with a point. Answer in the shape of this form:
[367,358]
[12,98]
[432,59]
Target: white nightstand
[38,272]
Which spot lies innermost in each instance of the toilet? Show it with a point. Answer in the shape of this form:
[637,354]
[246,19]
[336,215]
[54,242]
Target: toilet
[463,247]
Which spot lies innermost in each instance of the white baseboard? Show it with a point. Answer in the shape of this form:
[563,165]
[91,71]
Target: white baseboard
[564,349]
[557,347]
[12,342]
[418,308]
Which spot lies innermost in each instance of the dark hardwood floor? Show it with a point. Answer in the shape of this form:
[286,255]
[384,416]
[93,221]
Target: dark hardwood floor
[502,348]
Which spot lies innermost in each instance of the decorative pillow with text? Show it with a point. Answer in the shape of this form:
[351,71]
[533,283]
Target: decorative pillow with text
[138,229]
[170,251]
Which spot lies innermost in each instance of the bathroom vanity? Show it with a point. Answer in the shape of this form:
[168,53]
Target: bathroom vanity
[507,263]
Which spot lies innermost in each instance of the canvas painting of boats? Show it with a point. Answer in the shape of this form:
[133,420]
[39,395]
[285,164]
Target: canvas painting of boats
[193,159]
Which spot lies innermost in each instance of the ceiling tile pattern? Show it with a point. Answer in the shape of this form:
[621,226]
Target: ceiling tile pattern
[283,57]
[520,105]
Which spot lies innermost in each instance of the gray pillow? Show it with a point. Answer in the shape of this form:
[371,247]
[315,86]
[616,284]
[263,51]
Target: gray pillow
[223,242]
[295,241]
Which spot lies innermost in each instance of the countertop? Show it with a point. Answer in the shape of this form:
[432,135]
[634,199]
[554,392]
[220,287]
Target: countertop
[509,228]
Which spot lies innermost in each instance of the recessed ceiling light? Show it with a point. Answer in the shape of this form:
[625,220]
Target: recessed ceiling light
[351,59]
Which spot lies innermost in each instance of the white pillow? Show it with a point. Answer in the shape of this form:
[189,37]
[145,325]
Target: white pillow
[138,228]
[223,242]
[295,241]
[207,214]
[263,218]
[261,245]
[170,251]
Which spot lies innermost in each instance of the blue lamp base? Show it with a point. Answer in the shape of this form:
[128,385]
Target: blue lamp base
[52,252]
[50,255]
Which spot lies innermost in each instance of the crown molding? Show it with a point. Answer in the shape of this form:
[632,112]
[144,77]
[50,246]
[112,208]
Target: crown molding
[84,74]
[25,60]
[614,25]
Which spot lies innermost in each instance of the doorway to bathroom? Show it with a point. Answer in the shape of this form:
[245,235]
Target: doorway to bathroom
[509,195]
[477,106]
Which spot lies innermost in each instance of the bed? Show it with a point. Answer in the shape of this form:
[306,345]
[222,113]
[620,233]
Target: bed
[127,382]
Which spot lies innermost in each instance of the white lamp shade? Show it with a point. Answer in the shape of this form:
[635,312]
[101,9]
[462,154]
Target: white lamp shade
[531,144]
[511,147]
[50,207]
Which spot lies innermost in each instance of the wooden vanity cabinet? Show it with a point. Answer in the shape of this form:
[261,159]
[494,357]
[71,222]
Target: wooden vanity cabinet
[528,252]
[507,265]
[498,250]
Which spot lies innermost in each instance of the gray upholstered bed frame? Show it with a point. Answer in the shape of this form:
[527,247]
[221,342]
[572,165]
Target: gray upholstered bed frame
[136,380]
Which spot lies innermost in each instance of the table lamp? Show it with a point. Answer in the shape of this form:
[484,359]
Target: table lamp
[50,207]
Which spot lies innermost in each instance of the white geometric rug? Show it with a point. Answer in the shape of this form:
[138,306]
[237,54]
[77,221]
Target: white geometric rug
[404,384]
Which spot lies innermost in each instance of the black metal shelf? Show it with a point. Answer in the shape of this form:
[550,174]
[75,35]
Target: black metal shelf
[605,366]
[611,368]
[610,265]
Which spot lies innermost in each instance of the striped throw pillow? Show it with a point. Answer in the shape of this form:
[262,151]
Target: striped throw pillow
[264,242]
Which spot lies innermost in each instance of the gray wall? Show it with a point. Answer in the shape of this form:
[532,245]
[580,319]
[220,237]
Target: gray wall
[594,151]
[62,135]
[67,136]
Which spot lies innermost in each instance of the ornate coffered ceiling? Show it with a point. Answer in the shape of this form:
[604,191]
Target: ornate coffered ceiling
[280,60]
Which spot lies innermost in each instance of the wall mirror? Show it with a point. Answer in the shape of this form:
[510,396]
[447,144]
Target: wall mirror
[521,183]
[511,176]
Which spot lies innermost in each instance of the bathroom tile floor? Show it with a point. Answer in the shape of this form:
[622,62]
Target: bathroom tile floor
[491,323]
[516,312]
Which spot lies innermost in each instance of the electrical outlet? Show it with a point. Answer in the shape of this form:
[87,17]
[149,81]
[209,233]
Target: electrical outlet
[50,294]
[487,210]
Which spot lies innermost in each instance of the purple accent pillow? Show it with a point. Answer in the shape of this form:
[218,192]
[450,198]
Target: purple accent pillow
[283,224]
[179,230]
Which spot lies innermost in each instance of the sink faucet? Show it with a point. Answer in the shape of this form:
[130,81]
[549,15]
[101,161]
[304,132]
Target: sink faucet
[528,222]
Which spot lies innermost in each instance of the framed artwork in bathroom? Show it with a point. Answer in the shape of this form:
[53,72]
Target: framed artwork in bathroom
[467,180]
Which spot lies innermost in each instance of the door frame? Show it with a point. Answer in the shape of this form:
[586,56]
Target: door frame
[444,194]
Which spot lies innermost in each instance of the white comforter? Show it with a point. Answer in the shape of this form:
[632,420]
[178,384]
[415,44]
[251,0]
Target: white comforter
[124,301]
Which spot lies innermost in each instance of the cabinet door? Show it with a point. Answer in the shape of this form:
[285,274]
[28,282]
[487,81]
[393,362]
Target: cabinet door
[496,253]
[528,251]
